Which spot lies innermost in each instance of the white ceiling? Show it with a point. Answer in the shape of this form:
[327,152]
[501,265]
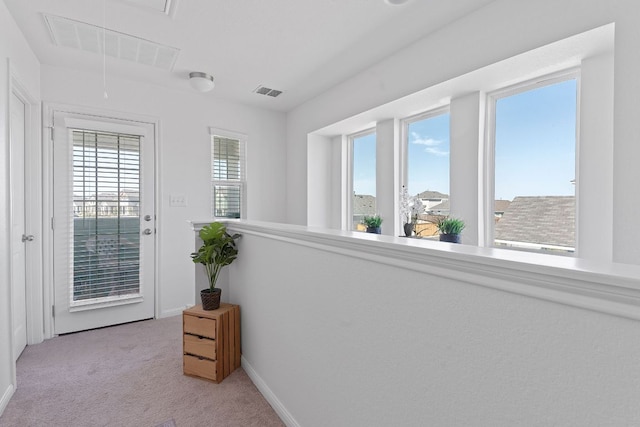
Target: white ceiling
[301,47]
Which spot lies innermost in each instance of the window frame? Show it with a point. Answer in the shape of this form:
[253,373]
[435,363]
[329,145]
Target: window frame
[350,168]
[242,182]
[488,155]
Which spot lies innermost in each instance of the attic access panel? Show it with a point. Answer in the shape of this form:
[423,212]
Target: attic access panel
[74,34]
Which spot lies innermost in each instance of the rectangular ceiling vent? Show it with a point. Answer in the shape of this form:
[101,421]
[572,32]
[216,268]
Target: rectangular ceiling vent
[92,38]
[261,90]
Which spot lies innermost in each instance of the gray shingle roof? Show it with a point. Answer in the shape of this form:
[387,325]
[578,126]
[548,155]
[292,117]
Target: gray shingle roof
[501,205]
[547,220]
[364,204]
[432,195]
[440,207]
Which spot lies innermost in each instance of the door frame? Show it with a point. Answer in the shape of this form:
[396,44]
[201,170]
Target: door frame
[49,109]
[32,199]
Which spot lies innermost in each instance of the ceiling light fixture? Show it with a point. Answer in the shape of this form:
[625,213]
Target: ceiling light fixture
[396,2]
[201,82]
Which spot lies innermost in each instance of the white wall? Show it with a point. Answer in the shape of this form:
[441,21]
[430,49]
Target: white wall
[184,160]
[467,131]
[501,30]
[13,50]
[387,155]
[357,331]
[319,164]
[595,189]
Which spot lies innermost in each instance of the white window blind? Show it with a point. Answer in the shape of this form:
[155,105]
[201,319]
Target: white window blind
[227,177]
[106,211]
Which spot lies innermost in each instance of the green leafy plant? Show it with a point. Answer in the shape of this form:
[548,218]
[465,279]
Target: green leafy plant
[218,249]
[372,221]
[449,225]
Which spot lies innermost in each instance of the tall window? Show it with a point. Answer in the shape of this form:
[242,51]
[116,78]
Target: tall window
[428,167]
[363,178]
[535,157]
[228,177]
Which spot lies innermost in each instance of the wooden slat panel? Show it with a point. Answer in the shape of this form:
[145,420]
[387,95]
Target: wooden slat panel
[199,346]
[232,339]
[237,334]
[200,326]
[221,347]
[225,340]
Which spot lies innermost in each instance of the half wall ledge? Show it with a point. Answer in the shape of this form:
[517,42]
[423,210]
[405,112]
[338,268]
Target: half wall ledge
[610,288]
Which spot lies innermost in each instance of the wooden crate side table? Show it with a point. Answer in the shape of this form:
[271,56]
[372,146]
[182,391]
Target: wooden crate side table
[211,341]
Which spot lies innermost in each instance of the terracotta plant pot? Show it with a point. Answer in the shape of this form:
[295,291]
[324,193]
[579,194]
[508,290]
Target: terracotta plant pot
[210,299]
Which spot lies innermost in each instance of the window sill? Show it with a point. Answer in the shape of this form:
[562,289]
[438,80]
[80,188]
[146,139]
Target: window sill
[604,287]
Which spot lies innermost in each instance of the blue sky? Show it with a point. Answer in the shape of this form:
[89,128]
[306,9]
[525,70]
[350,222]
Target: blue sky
[428,155]
[364,164]
[535,142]
[535,147]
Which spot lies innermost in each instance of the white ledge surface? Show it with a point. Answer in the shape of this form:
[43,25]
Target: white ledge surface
[605,287]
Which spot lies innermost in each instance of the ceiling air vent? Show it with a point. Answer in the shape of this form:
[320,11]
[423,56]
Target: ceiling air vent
[261,90]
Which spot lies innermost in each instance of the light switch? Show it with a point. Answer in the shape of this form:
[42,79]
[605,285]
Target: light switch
[177,200]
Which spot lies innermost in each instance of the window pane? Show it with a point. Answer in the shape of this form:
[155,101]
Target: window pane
[364,178]
[428,170]
[227,201]
[226,159]
[106,223]
[535,156]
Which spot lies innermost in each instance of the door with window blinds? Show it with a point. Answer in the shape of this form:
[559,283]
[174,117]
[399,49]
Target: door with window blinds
[104,223]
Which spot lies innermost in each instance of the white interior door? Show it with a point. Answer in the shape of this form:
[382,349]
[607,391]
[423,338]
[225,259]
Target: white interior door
[19,239]
[104,222]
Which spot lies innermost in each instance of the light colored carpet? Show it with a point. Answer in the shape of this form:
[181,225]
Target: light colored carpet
[127,375]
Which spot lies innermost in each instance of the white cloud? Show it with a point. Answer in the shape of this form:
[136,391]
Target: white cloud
[436,152]
[429,142]
[431,145]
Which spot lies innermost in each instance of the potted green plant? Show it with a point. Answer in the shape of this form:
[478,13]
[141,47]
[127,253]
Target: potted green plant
[218,249]
[450,229]
[373,223]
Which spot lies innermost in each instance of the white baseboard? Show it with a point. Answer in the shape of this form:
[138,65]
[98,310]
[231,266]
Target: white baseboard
[275,403]
[173,312]
[6,396]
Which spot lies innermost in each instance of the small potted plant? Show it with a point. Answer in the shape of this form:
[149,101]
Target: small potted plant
[218,249]
[373,223]
[450,229]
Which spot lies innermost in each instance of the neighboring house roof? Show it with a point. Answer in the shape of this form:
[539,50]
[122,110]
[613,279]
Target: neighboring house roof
[432,195]
[364,204]
[501,206]
[441,207]
[545,220]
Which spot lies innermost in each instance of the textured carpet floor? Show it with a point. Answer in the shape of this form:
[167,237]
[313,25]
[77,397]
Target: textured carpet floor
[127,375]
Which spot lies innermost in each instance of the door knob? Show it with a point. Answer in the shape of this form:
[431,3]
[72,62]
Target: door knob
[28,237]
